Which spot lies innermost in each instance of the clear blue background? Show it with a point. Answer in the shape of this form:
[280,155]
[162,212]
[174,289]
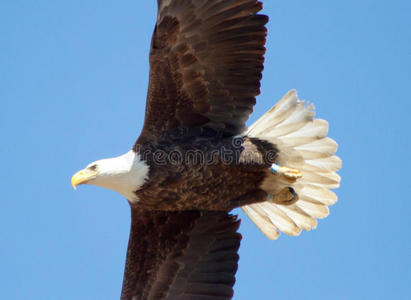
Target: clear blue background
[73,78]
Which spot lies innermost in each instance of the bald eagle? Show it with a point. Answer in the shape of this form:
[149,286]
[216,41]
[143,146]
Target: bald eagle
[195,160]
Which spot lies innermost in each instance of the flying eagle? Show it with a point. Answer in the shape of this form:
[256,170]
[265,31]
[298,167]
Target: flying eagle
[195,160]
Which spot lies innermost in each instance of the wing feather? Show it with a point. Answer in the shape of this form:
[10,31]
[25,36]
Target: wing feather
[206,61]
[181,255]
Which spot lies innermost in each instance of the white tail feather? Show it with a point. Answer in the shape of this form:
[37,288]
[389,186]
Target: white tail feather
[302,145]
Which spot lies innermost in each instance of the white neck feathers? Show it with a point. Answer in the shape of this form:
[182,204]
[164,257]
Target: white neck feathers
[124,174]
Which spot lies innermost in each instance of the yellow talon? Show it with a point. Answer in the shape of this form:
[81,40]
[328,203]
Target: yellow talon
[287,196]
[288,174]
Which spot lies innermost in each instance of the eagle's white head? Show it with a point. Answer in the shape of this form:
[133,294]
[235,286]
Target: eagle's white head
[124,174]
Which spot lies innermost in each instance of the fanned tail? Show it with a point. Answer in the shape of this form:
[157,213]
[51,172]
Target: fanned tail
[302,145]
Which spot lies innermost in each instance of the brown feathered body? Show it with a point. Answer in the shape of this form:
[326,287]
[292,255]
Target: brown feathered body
[197,173]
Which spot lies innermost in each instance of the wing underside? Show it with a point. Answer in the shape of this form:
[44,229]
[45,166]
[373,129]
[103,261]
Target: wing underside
[206,60]
[181,255]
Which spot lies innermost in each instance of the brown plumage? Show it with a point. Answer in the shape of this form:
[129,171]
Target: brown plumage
[206,60]
[181,255]
[220,175]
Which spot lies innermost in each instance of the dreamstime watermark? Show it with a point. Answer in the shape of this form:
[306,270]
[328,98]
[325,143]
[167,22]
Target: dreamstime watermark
[208,155]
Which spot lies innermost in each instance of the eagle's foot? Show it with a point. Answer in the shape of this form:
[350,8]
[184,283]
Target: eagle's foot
[291,175]
[286,196]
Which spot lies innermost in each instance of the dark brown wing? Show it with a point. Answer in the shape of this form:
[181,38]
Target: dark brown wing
[206,61]
[181,255]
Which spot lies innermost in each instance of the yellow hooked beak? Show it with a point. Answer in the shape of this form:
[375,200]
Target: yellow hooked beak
[82,177]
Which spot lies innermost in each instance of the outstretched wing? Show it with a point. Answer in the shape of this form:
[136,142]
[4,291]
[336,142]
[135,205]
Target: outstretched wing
[206,61]
[181,255]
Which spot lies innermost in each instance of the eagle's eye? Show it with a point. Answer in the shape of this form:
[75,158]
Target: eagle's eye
[92,167]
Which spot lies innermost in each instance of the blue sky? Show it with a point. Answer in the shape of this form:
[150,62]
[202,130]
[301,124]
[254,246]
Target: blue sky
[73,78]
